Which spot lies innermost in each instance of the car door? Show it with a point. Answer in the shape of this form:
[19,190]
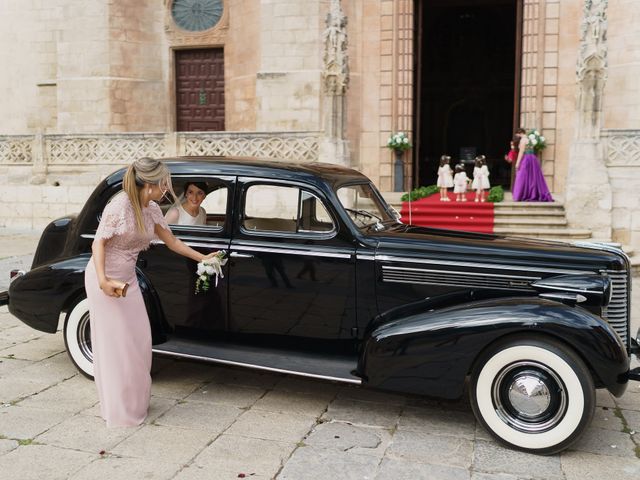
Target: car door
[292,268]
[190,314]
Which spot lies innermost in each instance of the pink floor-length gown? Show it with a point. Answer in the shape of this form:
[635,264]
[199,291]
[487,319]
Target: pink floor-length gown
[120,331]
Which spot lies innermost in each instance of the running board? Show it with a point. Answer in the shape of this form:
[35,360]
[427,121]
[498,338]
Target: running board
[306,364]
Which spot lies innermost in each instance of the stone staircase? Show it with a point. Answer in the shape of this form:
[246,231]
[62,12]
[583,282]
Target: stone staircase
[535,220]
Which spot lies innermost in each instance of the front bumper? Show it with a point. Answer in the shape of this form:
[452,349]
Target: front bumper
[634,373]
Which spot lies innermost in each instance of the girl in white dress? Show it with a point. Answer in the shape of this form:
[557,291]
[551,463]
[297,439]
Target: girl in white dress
[480,178]
[460,182]
[445,177]
[189,211]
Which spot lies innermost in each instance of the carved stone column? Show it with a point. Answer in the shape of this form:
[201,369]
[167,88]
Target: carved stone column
[588,188]
[333,146]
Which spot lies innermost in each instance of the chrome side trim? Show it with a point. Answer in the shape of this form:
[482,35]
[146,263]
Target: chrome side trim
[365,257]
[90,236]
[391,258]
[289,251]
[257,367]
[517,277]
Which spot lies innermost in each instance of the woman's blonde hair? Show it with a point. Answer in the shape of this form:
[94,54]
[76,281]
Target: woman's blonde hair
[145,171]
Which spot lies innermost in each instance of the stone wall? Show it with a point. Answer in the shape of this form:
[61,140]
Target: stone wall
[43,177]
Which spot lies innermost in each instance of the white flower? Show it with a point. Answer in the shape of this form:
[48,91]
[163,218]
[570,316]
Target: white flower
[532,136]
[209,269]
[406,140]
[401,134]
[542,139]
[200,270]
[536,132]
[534,142]
[203,277]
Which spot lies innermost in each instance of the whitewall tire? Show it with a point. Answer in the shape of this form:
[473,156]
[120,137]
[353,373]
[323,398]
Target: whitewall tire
[77,337]
[535,395]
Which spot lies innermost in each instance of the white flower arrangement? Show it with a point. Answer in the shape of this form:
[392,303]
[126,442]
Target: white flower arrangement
[399,142]
[211,267]
[535,141]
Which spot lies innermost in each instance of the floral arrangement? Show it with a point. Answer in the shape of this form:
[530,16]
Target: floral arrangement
[399,142]
[535,141]
[211,267]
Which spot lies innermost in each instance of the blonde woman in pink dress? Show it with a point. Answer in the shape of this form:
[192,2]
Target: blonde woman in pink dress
[120,330]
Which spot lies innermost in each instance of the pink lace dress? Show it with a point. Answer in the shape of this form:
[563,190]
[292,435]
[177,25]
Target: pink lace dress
[120,331]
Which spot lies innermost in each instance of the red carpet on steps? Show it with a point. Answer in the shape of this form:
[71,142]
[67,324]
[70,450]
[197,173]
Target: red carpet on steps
[431,212]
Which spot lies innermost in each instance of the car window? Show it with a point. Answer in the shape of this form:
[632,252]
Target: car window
[277,208]
[202,202]
[364,206]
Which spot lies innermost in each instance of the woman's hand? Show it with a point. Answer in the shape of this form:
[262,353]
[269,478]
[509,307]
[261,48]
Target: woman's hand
[109,287]
[209,257]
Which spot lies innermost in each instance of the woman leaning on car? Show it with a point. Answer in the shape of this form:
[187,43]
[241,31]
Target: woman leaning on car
[120,330]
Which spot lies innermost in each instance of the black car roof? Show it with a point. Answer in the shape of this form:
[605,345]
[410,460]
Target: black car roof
[269,168]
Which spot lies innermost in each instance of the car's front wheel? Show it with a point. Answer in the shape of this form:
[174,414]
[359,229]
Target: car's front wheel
[77,337]
[535,395]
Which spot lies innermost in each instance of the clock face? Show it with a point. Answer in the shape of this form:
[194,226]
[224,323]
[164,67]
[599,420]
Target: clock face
[196,15]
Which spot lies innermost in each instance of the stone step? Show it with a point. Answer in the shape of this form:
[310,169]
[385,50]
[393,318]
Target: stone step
[549,222]
[498,212]
[563,234]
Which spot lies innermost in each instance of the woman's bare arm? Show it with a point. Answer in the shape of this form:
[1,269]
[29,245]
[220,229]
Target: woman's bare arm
[178,246]
[521,148]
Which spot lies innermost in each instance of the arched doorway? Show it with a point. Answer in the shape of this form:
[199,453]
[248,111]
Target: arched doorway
[466,84]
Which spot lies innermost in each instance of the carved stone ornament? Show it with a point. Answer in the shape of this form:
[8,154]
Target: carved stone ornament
[180,37]
[591,68]
[336,59]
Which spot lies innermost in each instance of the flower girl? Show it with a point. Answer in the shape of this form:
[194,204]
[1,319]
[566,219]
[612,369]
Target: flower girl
[480,178]
[445,177]
[460,181]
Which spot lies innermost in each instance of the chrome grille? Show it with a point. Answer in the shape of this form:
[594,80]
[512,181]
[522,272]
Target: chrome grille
[617,312]
[453,278]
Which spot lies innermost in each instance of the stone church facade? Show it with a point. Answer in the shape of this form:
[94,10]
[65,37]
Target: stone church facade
[89,86]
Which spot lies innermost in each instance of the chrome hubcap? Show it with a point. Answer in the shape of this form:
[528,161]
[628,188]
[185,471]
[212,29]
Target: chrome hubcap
[83,337]
[530,397]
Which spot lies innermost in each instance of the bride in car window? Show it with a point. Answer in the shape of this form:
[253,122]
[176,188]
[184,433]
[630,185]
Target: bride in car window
[189,211]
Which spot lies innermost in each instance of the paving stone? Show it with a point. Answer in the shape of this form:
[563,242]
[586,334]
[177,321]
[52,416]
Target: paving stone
[605,442]
[493,476]
[234,395]
[15,388]
[311,463]
[393,469]
[482,434]
[438,421]
[196,472]
[589,466]
[370,395]
[120,468]
[604,399]
[493,458]
[606,419]
[7,445]
[633,420]
[73,396]
[171,444]
[294,403]
[173,389]
[38,349]
[38,462]
[423,447]
[85,433]
[345,437]
[10,365]
[277,426]
[52,370]
[209,417]
[24,423]
[184,372]
[14,334]
[291,383]
[631,399]
[363,413]
[230,455]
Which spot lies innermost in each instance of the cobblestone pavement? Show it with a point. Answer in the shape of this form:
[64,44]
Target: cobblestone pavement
[210,422]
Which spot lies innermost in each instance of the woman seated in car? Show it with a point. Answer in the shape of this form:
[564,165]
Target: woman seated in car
[189,211]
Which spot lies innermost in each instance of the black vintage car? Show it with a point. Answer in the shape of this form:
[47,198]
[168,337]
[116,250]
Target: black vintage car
[324,281]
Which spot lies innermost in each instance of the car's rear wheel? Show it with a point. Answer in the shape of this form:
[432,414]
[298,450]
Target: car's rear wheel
[535,395]
[77,337]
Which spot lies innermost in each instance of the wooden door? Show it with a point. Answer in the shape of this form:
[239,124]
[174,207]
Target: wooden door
[200,89]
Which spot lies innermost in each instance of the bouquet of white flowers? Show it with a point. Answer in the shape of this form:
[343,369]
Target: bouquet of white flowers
[211,267]
[399,142]
[536,142]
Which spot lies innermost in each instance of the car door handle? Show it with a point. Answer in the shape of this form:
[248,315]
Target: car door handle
[240,255]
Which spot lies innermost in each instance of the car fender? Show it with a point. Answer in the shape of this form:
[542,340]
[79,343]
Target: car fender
[42,294]
[431,352]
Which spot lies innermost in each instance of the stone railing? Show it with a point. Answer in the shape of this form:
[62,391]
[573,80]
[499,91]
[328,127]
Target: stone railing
[622,147]
[122,148]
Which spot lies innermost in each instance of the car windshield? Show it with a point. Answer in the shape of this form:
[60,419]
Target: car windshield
[365,206]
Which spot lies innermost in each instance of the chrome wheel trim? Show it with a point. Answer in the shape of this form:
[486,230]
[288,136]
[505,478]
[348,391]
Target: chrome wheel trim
[83,337]
[530,397]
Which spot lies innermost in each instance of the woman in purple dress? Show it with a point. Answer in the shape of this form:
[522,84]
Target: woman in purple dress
[529,185]
[120,331]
